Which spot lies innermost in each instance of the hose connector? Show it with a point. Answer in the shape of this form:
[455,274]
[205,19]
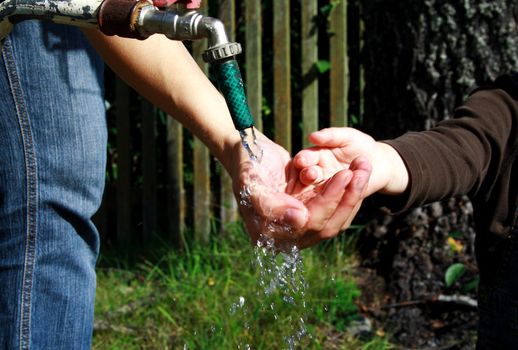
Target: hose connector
[221,52]
[179,23]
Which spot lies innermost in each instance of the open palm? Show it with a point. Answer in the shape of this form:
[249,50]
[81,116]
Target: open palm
[335,150]
[273,201]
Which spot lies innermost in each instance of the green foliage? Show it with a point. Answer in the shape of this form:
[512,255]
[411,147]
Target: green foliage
[322,66]
[354,120]
[209,297]
[327,9]
[454,273]
[456,234]
[471,285]
[339,309]
[266,109]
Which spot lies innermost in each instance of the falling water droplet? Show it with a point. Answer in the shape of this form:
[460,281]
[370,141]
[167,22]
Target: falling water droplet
[249,142]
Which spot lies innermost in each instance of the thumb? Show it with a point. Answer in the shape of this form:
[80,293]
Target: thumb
[362,170]
[335,137]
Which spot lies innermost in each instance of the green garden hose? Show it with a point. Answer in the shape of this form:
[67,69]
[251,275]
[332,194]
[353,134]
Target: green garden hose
[232,87]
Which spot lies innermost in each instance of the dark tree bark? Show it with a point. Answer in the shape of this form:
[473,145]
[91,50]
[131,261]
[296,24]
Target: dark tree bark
[422,58]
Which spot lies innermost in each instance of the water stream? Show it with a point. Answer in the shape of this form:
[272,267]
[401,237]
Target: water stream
[249,142]
[281,282]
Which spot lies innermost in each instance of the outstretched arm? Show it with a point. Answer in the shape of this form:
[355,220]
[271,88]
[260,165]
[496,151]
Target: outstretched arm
[465,155]
[164,72]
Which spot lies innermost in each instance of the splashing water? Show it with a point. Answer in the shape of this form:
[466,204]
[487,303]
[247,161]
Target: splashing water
[241,307]
[249,142]
[282,275]
[282,286]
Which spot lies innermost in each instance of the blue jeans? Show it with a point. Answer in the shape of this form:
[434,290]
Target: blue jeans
[52,171]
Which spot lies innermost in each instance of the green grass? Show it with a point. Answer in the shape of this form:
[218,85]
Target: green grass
[209,297]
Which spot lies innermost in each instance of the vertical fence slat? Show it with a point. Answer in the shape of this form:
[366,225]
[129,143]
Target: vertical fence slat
[253,52]
[124,232]
[149,197]
[339,82]
[201,163]
[227,14]
[282,73]
[228,204]
[310,78]
[175,183]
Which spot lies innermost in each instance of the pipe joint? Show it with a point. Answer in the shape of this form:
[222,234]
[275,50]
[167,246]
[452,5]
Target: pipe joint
[188,25]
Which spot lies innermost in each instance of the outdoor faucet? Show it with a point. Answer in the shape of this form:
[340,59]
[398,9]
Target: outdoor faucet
[140,19]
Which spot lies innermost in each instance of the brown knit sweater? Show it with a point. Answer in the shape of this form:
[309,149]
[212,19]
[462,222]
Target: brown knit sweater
[473,154]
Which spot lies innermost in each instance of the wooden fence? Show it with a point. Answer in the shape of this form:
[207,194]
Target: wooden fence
[297,74]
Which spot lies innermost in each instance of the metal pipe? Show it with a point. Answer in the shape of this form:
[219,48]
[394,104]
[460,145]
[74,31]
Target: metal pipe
[71,12]
[190,25]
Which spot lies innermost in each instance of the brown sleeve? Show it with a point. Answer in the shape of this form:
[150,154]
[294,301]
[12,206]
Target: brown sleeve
[462,155]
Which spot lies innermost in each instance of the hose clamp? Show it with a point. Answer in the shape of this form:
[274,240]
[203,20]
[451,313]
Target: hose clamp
[221,52]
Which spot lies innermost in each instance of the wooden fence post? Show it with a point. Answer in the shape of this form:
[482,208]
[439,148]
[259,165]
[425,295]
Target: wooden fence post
[175,184]
[310,76]
[282,73]
[253,53]
[201,169]
[339,83]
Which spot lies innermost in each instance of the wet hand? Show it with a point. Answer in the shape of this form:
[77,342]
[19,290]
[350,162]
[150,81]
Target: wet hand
[274,203]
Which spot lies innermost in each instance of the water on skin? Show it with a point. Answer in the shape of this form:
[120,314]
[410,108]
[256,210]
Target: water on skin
[249,142]
[280,273]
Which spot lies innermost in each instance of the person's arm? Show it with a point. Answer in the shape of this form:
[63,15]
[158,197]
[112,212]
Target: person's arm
[459,156]
[336,148]
[164,72]
[463,155]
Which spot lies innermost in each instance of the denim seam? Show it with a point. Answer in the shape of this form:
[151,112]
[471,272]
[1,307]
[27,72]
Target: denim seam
[31,194]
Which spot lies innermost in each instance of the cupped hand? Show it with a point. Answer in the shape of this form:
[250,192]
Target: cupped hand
[274,203]
[336,149]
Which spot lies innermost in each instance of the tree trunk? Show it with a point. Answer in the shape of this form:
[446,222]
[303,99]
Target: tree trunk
[422,58]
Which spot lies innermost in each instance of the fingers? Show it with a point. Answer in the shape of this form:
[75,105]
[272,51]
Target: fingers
[286,219]
[331,207]
[323,205]
[333,137]
[278,207]
[325,139]
[351,201]
[311,175]
[306,158]
[346,209]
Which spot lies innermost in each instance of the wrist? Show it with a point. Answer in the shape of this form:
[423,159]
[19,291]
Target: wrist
[228,152]
[394,175]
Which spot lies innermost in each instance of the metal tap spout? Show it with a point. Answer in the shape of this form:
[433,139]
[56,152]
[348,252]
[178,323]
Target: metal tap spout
[182,25]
